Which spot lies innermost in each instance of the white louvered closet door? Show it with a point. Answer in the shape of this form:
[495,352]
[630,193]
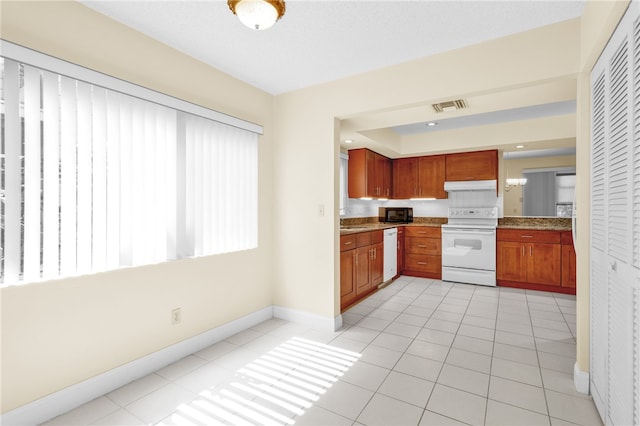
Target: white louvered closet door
[615,225]
[599,295]
[634,192]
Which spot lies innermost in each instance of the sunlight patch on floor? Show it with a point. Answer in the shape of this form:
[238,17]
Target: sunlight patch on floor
[271,390]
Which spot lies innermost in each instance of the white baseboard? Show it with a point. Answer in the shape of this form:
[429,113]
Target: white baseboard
[67,399]
[313,320]
[580,379]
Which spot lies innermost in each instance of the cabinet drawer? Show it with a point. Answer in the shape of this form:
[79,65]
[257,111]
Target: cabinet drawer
[423,263]
[528,236]
[377,237]
[363,239]
[419,245]
[423,231]
[347,242]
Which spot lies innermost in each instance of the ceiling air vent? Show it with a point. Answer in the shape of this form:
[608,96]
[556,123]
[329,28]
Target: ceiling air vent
[450,105]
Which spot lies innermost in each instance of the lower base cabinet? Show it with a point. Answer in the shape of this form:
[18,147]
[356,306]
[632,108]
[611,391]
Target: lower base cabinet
[533,259]
[423,251]
[568,261]
[361,265]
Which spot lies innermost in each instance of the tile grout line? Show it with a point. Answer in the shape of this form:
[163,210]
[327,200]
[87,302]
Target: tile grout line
[535,344]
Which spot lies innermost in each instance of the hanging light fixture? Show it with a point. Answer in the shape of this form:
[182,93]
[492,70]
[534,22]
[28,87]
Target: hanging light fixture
[257,14]
[512,183]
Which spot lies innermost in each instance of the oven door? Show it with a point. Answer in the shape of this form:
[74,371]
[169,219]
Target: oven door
[469,248]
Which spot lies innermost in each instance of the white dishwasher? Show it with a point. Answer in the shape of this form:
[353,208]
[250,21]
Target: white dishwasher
[390,254]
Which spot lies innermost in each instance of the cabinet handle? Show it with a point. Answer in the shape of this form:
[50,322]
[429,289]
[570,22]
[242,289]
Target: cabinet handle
[422,263]
[522,251]
[527,236]
[348,242]
[422,232]
[421,245]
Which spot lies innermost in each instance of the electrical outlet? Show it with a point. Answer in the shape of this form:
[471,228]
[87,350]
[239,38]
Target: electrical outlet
[176,316]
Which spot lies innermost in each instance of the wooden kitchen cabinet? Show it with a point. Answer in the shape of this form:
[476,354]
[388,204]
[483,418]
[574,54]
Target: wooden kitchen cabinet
[405,178]
[377,264]
[568,261]
[362,276]
[400,250]
[419,177]
[431,176]
[347,284]
[478,165]
[423,251]
[511,264]
[529,259]
[369,174]
[361,265]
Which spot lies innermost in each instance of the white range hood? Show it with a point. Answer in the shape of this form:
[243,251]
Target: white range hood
[471,185]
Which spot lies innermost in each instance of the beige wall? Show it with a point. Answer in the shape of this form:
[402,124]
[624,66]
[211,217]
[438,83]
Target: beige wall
[514,166]
[58,333]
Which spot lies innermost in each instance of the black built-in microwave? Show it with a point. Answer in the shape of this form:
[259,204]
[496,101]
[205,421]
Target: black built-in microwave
[395,214]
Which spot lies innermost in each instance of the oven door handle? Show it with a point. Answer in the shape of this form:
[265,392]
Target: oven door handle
[468,231]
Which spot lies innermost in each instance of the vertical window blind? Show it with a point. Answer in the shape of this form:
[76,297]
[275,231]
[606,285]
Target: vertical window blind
[93,179]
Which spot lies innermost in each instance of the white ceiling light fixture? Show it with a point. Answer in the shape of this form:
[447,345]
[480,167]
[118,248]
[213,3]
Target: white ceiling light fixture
[258,14]
[431,123]
[348,141]
[511,183]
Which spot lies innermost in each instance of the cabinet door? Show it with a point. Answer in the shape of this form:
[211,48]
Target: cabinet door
[347,286]
[544,263]
[377,263]
[479,165]
[361,277]
[431,175]
[568,266]
[383,176]
[405,178]
[372,183]
[401,250]
[511,262]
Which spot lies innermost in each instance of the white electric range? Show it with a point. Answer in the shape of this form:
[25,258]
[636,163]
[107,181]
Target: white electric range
[469,245]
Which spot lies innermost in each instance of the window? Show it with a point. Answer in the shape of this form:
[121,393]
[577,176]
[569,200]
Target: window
[94,179]
[344,164]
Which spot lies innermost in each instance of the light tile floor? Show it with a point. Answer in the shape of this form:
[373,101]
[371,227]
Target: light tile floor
[418,352]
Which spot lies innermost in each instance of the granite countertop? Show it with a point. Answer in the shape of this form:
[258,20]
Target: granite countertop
[537,223]
[366,224]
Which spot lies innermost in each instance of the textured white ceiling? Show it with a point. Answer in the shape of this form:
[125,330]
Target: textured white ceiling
[320,41]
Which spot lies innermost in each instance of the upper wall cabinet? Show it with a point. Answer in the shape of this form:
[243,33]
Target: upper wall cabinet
[419,177]
[479,165]
[369,174]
